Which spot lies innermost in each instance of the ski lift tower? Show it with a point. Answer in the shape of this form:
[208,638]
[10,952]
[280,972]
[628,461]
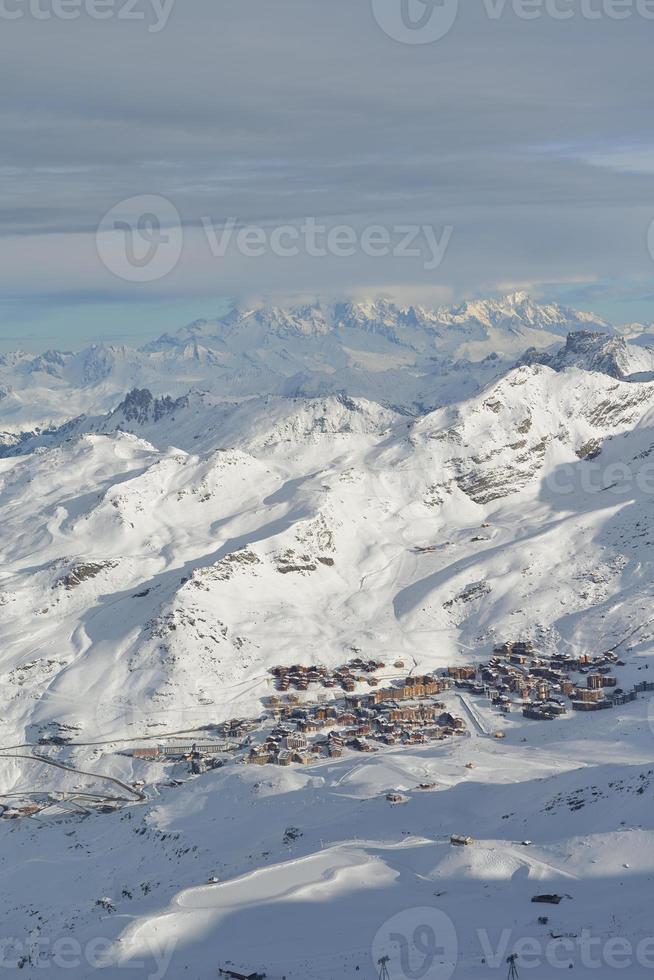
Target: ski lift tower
[383,968]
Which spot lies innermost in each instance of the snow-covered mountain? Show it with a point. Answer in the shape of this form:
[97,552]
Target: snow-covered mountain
[515,314]
[161,510]
[412,357]
[164,549]
[597,352]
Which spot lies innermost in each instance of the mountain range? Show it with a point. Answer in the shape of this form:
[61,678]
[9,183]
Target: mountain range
[416,357]
[301,487]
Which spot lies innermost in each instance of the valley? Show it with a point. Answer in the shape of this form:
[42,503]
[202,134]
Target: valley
[373,606]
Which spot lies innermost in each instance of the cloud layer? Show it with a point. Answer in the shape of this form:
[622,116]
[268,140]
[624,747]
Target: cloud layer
[530,137]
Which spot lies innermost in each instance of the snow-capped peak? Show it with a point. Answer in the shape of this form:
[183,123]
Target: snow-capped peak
[593,351]
[518,311]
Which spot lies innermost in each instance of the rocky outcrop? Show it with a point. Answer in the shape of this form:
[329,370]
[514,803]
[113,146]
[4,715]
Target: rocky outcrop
[141,407]
[589,351]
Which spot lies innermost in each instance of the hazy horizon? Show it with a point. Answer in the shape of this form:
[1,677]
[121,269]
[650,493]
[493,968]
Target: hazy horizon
[518,142]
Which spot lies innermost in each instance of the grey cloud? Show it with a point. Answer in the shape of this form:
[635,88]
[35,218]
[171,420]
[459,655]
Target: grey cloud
[272,111]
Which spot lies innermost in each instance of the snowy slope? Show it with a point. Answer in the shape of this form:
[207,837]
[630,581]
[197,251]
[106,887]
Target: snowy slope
[192,520]
[361,871]
[160,554]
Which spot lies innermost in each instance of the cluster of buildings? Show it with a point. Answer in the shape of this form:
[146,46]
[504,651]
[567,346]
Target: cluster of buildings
[412,688]
[237,728]
[407,714]
[597,699]
[177,751]
[58,804]
[345,677]
[544,685]
[14,813]
[201,754]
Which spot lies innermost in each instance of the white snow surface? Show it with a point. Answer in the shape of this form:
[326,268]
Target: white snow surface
[144,590]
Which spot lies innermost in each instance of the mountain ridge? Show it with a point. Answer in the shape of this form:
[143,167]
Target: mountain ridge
[161,556]
[424,357]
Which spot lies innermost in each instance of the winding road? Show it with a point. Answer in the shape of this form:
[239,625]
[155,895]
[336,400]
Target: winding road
[134,794]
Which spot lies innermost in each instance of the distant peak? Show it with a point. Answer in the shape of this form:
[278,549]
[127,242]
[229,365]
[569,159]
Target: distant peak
[412,326]
[518,298]
[589,350]
[140,406]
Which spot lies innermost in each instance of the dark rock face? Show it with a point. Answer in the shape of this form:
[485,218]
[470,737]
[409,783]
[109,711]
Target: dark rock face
[82,571]
[141,407]
[587,350]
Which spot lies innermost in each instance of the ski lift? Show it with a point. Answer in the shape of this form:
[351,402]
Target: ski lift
[513,970]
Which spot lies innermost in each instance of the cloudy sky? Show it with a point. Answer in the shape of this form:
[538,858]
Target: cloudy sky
[524,145]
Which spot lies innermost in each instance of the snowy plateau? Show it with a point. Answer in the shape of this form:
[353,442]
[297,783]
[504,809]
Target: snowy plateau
[309,487]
